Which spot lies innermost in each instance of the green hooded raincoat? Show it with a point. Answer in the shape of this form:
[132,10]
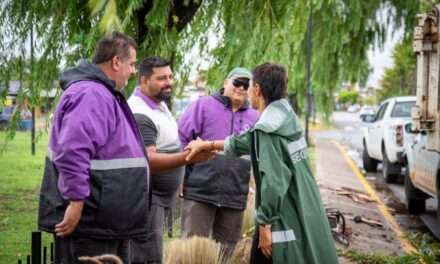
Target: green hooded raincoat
[287,196]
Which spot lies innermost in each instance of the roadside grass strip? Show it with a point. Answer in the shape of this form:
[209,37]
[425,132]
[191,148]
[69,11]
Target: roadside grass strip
[428,252]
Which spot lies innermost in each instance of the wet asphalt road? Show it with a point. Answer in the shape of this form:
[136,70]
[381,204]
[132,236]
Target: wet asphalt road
[348,131]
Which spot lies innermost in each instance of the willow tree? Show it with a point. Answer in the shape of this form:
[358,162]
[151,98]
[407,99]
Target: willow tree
[401,78]
[224,33]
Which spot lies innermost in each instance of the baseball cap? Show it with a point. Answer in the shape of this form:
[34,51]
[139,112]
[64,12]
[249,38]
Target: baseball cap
[239,72]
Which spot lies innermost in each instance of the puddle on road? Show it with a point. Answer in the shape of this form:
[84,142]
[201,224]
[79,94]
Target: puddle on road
[397,207]
[408,223]
[387,195]
[353,153]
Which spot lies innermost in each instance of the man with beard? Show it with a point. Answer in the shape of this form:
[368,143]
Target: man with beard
[160,133]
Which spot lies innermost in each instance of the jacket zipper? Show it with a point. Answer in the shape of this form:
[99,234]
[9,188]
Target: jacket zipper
[232,124]
[230,133]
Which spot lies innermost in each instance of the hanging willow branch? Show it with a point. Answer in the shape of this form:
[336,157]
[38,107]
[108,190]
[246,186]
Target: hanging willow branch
[225,33]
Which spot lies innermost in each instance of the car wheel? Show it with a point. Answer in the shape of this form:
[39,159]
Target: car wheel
[438,208]
[415,199]
[370,165]
[389,169]
[438,199]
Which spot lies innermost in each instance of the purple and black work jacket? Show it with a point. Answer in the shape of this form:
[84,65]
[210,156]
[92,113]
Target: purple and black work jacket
[223,181]
[96,155]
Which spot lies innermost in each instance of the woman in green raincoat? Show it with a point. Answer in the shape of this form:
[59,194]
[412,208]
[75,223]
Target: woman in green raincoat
[292,225]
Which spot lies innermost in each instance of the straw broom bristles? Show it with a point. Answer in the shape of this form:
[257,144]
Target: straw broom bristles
[249,215]
[242,252]
[243,248]
[195,250]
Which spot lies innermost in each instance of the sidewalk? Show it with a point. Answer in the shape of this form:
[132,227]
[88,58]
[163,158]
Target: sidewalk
[336,179]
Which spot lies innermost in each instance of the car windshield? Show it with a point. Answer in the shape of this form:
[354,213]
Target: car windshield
[367,109]
[402,109]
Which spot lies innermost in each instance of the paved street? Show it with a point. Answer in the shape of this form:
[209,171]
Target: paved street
[348,131]
[336,176]
[349,127]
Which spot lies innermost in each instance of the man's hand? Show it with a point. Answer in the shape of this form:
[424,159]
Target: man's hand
[195,147]
[199,157]
[71,219]
[265,243]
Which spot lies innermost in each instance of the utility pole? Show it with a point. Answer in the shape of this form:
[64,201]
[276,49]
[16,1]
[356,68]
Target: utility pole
[31,89]
[308,81]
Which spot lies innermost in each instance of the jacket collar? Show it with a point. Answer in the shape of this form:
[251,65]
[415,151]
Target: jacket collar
[226,101]
[85,70]
[153,105]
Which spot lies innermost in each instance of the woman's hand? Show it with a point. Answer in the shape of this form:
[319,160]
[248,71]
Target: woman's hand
[265,243]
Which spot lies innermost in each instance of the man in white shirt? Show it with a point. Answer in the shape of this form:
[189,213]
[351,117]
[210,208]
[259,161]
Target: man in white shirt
[161,140]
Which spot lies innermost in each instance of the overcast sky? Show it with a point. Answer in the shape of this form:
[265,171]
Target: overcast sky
[381,59]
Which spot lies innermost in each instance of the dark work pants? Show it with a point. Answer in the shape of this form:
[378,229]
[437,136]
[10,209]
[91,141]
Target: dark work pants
[206,220]
[257,257]
[69,249]
[150,250]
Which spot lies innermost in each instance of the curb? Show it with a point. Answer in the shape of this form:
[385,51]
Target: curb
[385,211]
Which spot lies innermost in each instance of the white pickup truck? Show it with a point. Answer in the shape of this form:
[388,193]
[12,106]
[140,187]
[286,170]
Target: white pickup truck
[383,140]
[422,180]
[422,173]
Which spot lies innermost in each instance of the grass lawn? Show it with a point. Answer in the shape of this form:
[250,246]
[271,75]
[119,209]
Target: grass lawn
[20,179]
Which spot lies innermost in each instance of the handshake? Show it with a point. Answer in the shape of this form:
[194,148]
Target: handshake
[200,150]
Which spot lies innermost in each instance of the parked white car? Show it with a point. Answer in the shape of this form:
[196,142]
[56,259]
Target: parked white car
[422,174]
[353,108]
[384,139]
[366,112]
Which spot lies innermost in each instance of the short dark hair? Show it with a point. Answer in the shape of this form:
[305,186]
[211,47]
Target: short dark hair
[111,45]
[272,79]
[146,66]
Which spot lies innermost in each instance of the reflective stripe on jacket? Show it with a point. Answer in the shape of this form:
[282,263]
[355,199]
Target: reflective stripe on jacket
[287,196]
[96,155]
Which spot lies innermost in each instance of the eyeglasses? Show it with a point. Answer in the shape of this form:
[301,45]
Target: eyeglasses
[241,83]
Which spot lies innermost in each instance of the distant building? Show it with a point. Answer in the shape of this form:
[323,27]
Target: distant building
[15,88]
[191,92]
[364,91]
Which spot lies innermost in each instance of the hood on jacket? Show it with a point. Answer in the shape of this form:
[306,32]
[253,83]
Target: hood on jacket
[226,101]
[85,70]
[279,118]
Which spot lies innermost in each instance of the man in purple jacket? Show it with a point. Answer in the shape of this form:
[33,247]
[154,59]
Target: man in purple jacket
[95,190]
[215,191]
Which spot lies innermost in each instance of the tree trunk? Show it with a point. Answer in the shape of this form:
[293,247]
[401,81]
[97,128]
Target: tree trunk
[184,13]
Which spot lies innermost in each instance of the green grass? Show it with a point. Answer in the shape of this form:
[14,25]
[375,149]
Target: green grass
[20,179]
[321,124]
[357,256]
[428,252]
